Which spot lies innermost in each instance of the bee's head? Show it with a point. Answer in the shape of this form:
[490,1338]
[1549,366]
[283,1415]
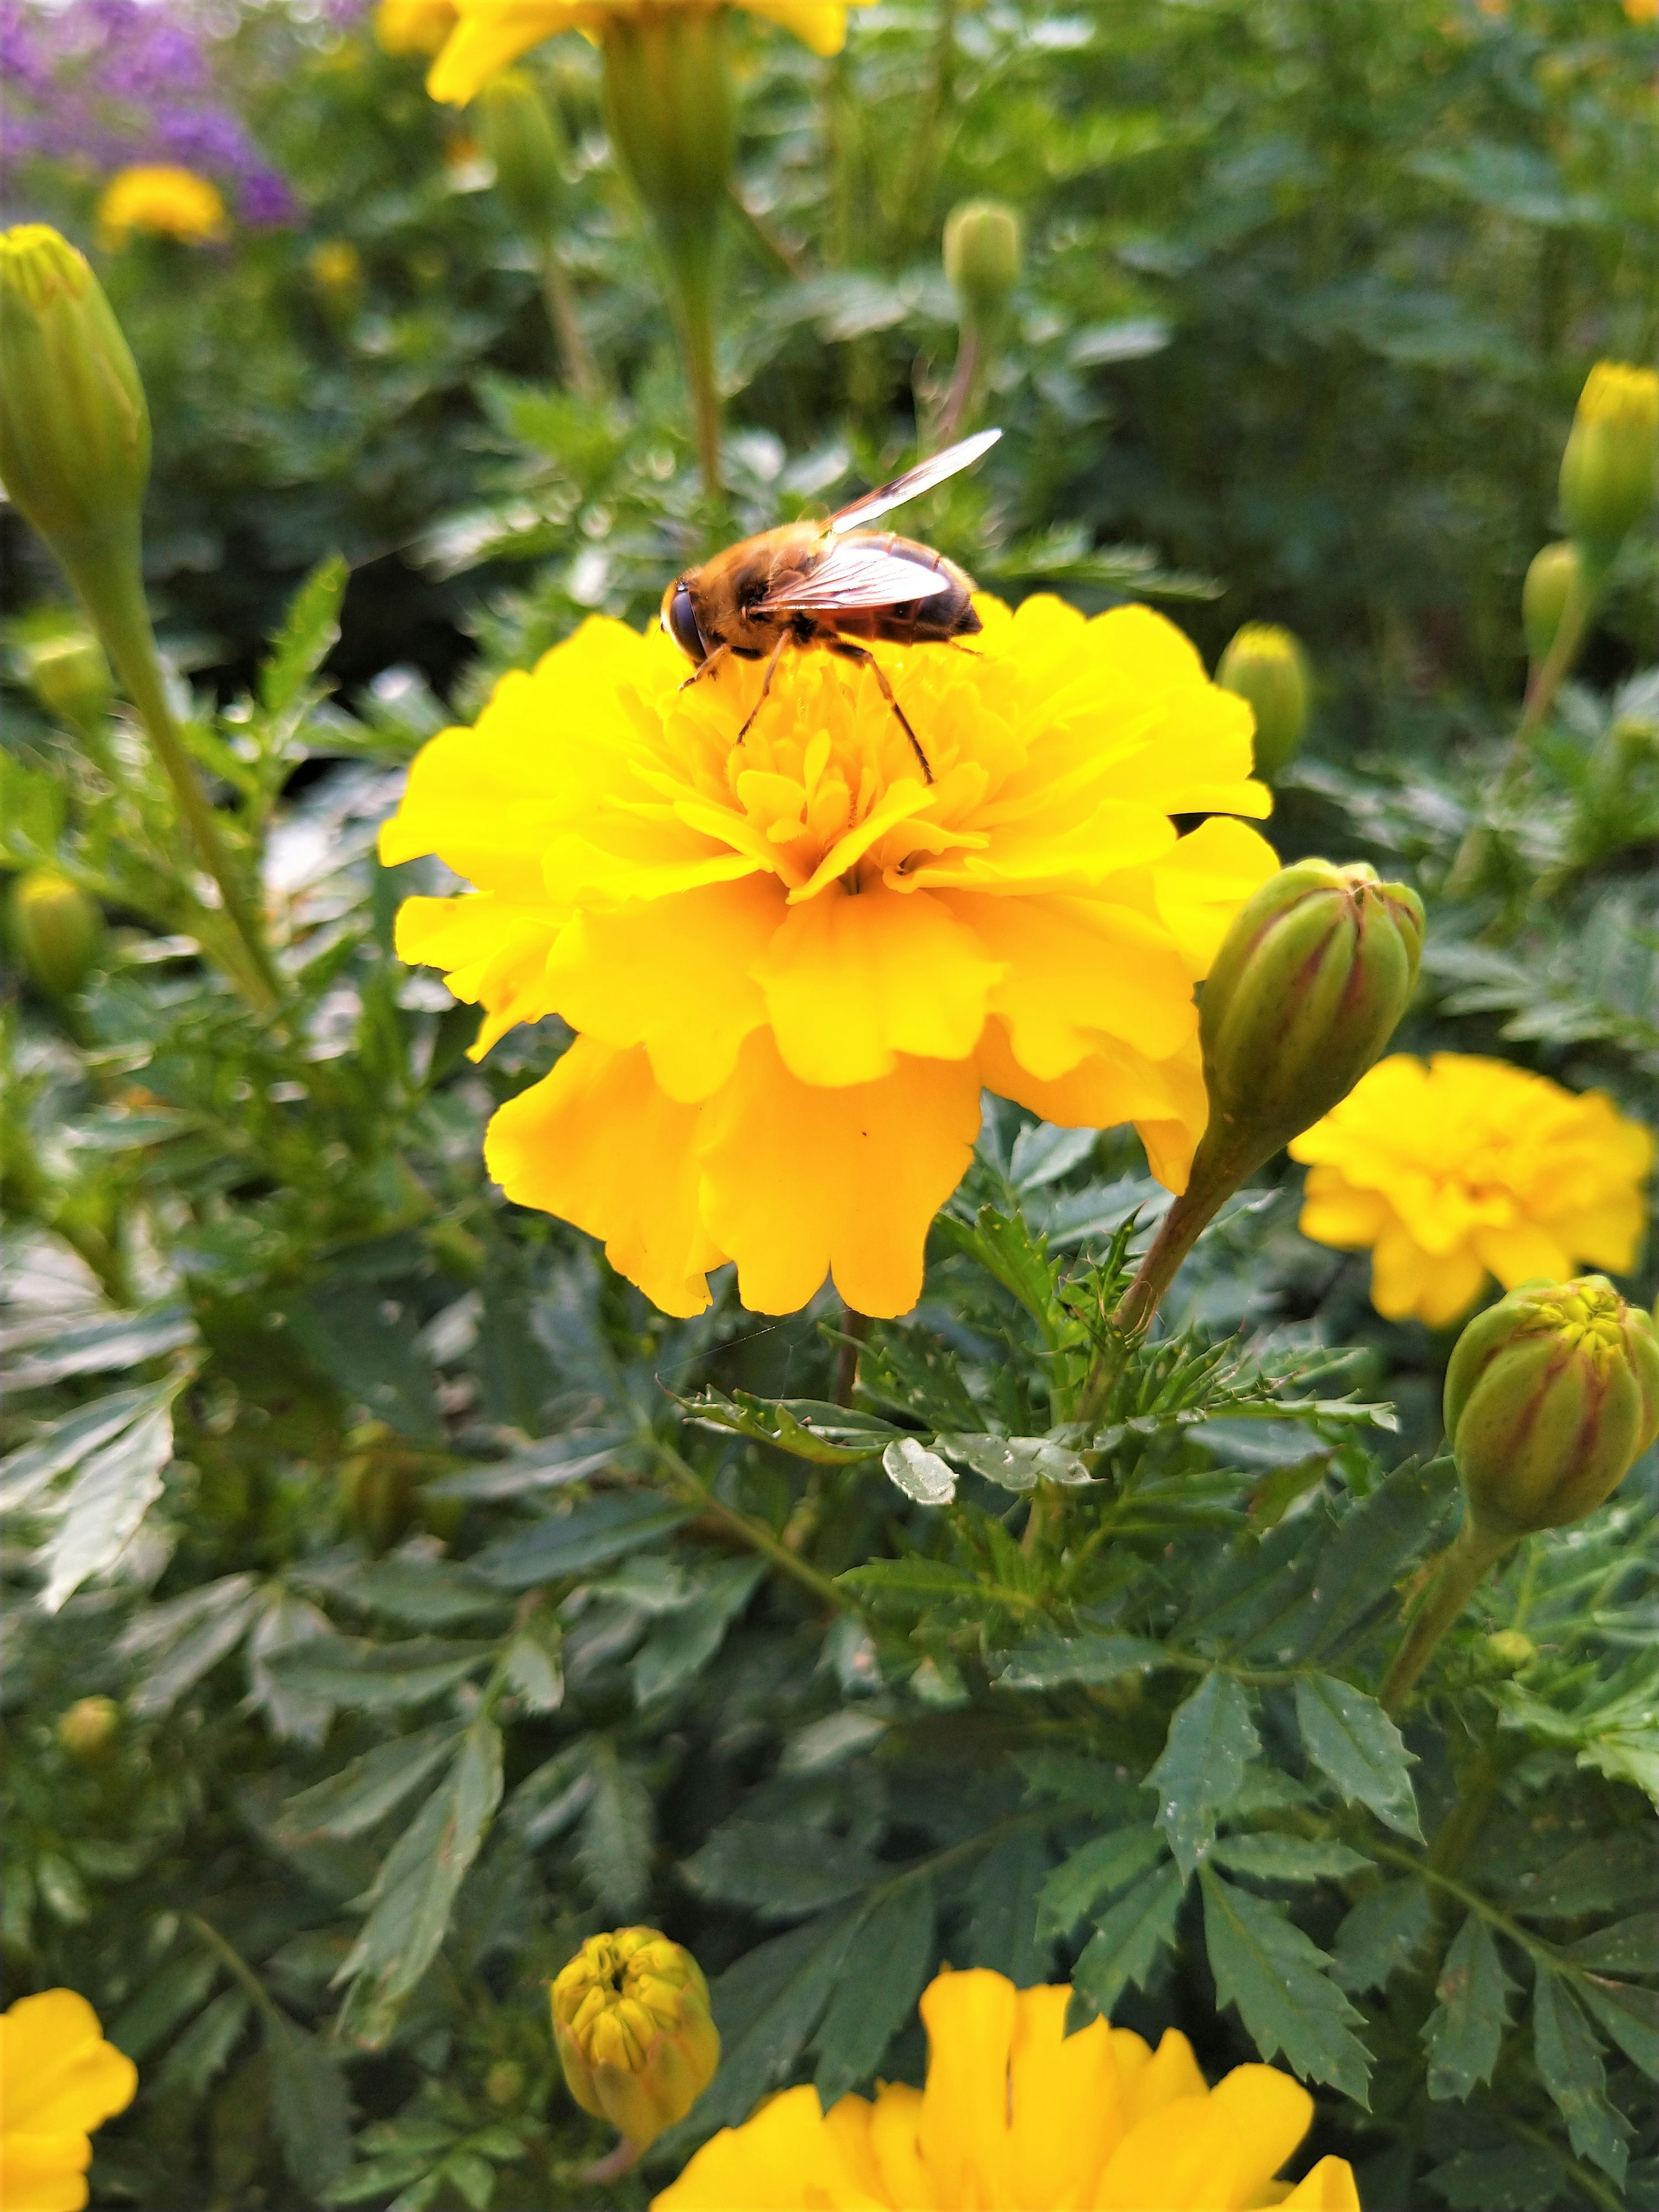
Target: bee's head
[680,621]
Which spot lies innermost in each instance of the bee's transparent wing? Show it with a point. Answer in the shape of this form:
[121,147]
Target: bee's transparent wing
[914,481]
[851,575]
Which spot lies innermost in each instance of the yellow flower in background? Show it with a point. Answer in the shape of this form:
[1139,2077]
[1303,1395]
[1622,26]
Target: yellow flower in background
[172,203]
[793,963]
[414,26]
[58,2081]
[490,33]
[1020,2117]
[1465,1168]
[1642,11]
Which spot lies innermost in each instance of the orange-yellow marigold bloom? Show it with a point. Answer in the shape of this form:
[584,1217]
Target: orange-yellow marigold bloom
[172,202]
[1461,1168]
[489,34]
[58,2081]
[1019,2115]
[793,963]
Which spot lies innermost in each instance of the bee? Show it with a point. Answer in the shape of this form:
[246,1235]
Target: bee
[829,584]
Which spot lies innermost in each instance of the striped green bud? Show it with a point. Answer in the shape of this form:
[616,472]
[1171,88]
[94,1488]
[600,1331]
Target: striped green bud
[1551,1396]
[634,2035]
[1266,668]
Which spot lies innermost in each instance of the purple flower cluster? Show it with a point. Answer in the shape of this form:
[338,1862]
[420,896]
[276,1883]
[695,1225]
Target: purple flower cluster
[114,82]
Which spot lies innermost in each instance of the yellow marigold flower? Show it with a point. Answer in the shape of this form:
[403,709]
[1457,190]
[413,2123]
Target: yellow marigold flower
[1020,2116]
[1467,1168]
[490,33]
[58,2081]
[793,963]
[414,26]
[175,202]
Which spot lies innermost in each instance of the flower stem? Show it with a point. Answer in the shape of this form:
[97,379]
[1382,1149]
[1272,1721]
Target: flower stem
[1546,678]
[1472,1555]
[560,301]
[696,1493]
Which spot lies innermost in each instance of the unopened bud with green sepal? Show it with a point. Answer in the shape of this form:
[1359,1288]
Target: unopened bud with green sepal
[1551,1396]
[74,427]
[635,2034]
[56,929]
[983,249]
[524,143]
[87,1729]
[1266,666]
[69,673]
[1610,469]
[1555,575]
[1308,988]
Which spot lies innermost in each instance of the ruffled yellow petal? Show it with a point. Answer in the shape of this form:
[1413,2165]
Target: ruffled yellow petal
[1165,1099]
[1170,2074]
[784,2159]
[1334,1213]
[1272,2113]
[896,2147]
[59,2075]
[491,34]
[599,1143]
[963,2133]
[800,1182]
[1062,2103]
[1206,880]
[1522,1253]
[1185,2156]
[44,2173]
[1329,2187]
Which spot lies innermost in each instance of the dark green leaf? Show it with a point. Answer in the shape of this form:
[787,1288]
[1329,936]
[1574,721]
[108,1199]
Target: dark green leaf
[310,2108]
[916,1580]
[1127,1939]
[1264,1964]
[1212,1740]
[157,2009]
[1375,1542]
[777,1871]
[575,1542]
[1044,1663]
[1630,2015]
[377,1677]
[1383,1933]
[831,1435]
[684,1641]
[1349,1736]
[1003,1892]
[1630,1946]
[765,2007]
[886,1964]
[1569,2066]
[1105,1865]
[1272,1857]
[363,1792]
[425,1593]
[201,2051]
[1465,2032]
[1597,1877]
[310,631]
[366,1345]
[1508,2178]
[618,1829]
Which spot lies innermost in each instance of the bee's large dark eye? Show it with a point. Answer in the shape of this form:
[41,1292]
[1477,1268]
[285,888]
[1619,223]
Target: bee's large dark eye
[682,624]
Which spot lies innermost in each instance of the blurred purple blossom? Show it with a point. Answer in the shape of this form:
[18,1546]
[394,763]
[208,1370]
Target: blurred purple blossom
[114,83]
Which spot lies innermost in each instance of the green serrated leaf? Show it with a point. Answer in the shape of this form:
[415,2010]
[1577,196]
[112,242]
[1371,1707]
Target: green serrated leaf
[1351,1739]
[1374,1545]
[1465,2032]
[1569,2066]
[1630,1946]
[1127,1939]
[765,2007]
[1383,1933]
[1506,2178]
[1264,1964]
[1269,1857]
[577,1542]
[921,1582]
[310,2107]
[377,1677]
[618,1829]
[829,1436]
[310,631]
[1595,1876]
[887,1962]
[1003,1892]
[778,1871]
[684,1641]
[1045,1662]
[365,1790]
[1104,1865]
[1211,1741]
[1630,2015]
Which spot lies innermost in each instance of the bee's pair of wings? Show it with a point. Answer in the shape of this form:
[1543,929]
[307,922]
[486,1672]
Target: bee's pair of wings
[852,573]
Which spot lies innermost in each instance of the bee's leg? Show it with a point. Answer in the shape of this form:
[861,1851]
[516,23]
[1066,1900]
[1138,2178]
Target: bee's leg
[863,659]
[703,667]
[766,685]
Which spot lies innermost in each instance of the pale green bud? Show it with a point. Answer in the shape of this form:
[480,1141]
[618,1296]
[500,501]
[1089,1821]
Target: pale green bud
[1507,1651]
[57,929]
[524,143]
[1551,1396]
[1555,574]
[634,2035]
[983,249]
[1610,464]
[87,1727]
[1266,666]
[70,675]
[1308,988]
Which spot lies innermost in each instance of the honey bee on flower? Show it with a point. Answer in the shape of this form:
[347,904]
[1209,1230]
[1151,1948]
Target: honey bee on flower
[793,963]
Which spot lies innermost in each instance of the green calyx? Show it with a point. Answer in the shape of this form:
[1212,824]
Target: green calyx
[983,248]
[1266,666]
[525,146]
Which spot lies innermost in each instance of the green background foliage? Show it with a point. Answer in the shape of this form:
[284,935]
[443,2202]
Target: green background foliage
[457,1603]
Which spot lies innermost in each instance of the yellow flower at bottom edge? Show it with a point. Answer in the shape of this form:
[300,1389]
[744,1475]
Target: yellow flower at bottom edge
[489,34]
[1465,1168]
[792,962]
[58,2081]
[174,203]
[1020,2117]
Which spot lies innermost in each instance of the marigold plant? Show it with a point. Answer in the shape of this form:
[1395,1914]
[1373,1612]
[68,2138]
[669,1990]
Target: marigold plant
[58,2081]
[793,963]
[1016,2113]
[1461,1168]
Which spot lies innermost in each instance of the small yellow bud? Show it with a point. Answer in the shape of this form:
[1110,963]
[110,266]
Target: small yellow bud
[635,2037]
[68,674]
[336,268]
[524,143]
[1611,464]
[1551,1396]
[1507,1651]
[87,1727]
[1555,574]
[74,427]
[983,254]
[57,929]
[1266,666]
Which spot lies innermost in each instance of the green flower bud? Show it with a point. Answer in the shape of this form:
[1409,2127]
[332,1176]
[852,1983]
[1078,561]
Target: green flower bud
[378,1486]
[1307,989]
[1610,464]
[1555,574]
[1506,1651]
[504,2083]
[982,253]
[57,929]
[1551,1396]
[1266,667]
[70,675]
[669,110]
[635,2037]
[74,427]
[524,143]
[86,1730]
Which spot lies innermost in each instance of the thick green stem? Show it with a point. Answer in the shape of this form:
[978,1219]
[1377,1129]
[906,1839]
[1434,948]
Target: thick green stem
[1471,1556]
[107,580]
[560,301]
[692,270]
[1546,678]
